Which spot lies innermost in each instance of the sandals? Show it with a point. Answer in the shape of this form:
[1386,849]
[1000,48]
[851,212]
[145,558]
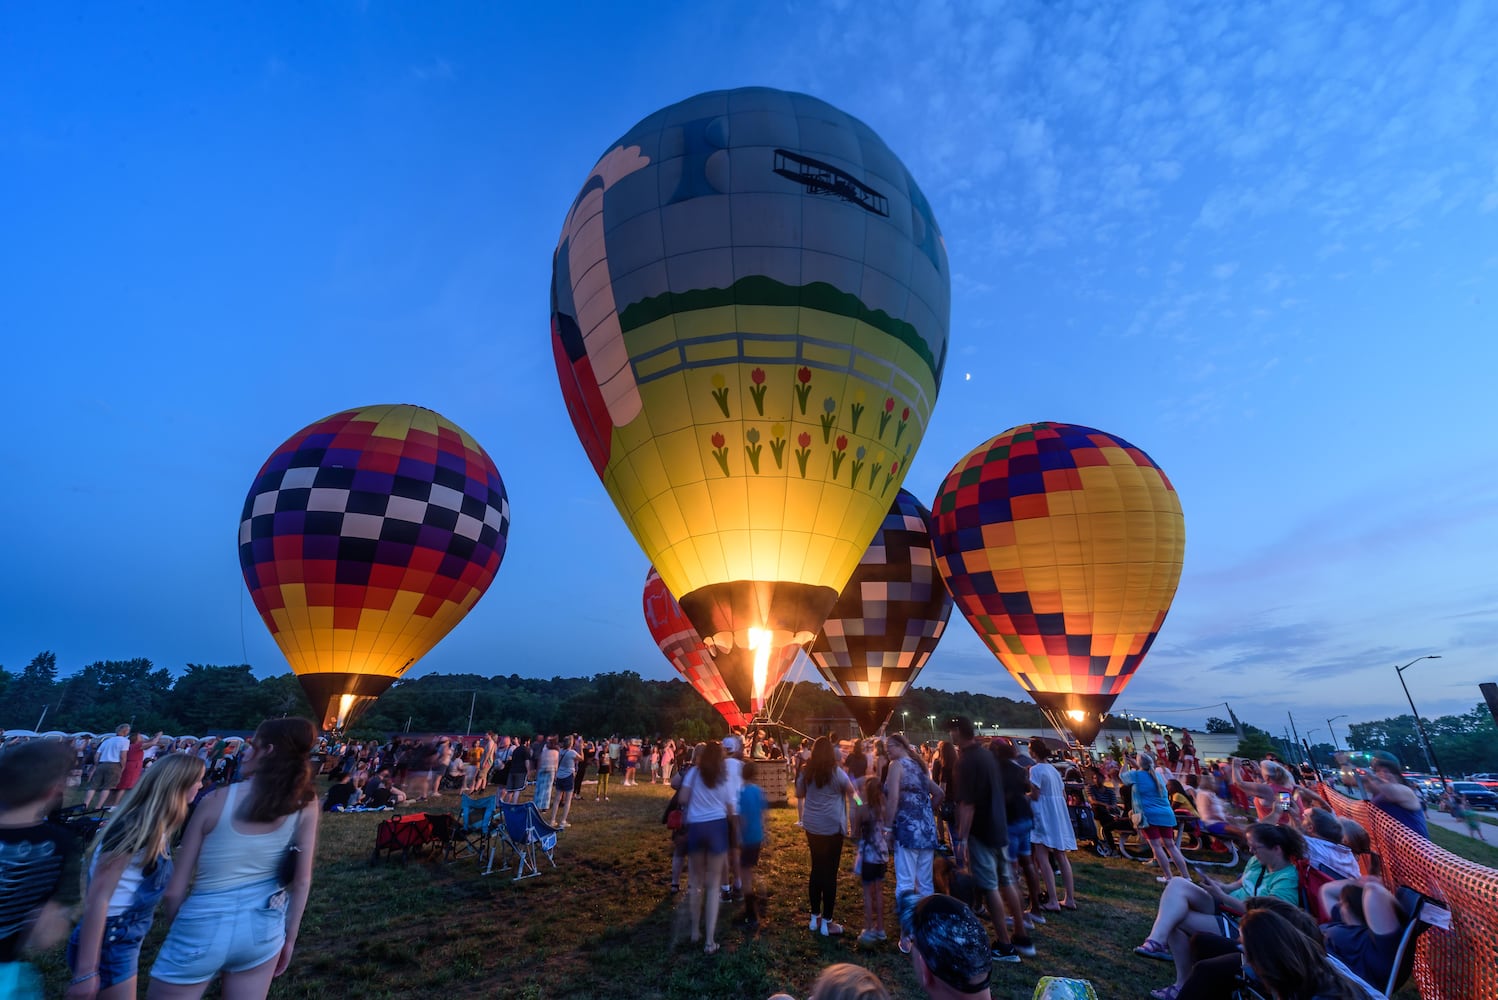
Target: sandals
[1154,949]
[1166,992]
[711,948]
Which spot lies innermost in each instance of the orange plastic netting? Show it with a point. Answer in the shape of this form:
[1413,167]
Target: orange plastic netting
[1462,962]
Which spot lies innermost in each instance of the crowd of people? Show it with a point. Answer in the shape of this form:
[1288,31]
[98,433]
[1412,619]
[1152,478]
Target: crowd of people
[976,833]
[232,892]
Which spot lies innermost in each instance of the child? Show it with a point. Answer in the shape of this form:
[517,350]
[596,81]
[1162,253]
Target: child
[751,822]
[873,856]
[38,860]
[127,874]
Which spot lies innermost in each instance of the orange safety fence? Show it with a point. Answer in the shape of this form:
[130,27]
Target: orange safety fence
[1461,962]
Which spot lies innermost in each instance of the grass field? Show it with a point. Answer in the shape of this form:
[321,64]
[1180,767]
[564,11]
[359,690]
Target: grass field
[603,924]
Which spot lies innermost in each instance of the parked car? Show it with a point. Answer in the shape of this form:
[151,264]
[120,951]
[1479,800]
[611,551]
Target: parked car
[1478,796]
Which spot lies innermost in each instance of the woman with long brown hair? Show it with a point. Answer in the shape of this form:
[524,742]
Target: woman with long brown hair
[1289,962]
[247,854]
[707,801]
[824,789]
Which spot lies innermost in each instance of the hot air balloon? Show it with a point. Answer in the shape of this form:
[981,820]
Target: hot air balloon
[749,322]
[364,539]
[694,661]
[888,619]
[1063,547]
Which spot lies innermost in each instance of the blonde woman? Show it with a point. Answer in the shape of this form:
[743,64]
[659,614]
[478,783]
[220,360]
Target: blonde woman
[125,877]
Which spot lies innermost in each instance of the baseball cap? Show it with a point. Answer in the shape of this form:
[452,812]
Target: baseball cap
[731,744]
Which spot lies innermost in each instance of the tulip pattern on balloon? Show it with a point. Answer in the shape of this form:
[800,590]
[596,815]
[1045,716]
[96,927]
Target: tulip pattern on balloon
[888,619]
[749,322]
[365,538]
[1062,545]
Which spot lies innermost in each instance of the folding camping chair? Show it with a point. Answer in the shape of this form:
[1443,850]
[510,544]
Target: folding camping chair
[527,834]
[475,827]
[1424,911]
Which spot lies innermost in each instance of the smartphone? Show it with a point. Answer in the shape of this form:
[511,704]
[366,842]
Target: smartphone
[1285,801]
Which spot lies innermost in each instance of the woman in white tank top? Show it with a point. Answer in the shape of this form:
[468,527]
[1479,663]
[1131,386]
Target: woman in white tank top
[240,920]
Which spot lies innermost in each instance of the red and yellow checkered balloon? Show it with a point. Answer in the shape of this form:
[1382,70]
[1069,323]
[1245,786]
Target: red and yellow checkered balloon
[1063,547]
[365,538]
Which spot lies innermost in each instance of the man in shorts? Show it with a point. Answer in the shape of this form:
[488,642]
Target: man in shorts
[981,842]
[107,767]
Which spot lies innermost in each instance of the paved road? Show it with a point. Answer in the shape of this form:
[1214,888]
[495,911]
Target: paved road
[1489,832]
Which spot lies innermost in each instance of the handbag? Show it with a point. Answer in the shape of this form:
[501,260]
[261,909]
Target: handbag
[286,870]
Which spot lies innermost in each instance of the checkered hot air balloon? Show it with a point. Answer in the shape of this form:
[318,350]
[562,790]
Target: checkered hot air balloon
[364,539]
[1063,547]
[888,619]
[749,322]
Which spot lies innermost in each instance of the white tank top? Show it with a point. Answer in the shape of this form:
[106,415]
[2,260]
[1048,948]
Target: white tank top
[230,859]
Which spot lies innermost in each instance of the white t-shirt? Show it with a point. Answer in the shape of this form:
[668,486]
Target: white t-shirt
[1209,806]
[112,749]
[707,804]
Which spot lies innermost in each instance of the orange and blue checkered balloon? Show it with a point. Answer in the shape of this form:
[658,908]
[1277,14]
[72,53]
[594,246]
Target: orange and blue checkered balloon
[1063,547]
[365,538]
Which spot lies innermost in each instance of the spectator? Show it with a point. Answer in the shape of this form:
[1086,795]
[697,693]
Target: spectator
[981,842]
[108,765]
[1213,818]
[1291,963]
[242,917]
[751,840]
[39,882]
[517,771]
[564,783]
[1053,835]
[1365,928]
[1019,815]
[949,948]
[1186,908]
[1324,847]
[708,806]
[546,772]
[823,789]
[1153,817]
[857,763]
[1390,791]
[1272,797]
[873,856]
[132,861]
[909,796]
[343,796]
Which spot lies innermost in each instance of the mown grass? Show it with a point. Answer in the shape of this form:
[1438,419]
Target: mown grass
[1463,846]
[603,924]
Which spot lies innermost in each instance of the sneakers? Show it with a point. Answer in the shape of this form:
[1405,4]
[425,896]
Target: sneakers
[1004,953]
[816,923]
[868,938]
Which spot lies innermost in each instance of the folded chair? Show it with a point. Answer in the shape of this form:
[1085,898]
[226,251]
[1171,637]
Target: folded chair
[526,833]
[1424,911]
[475,827]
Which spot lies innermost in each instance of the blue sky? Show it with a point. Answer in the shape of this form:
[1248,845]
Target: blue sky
[1260,242]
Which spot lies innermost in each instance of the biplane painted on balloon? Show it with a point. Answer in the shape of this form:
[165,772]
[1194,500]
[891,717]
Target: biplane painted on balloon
[1063,547]
[365,538]
[749,322]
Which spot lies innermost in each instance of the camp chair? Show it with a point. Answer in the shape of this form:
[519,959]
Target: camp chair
[475,827]
[402,833]
[1424,911]
[527,834]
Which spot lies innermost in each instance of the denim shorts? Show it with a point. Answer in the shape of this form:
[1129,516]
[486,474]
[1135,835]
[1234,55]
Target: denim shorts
[1019,838]
[233,930]
[119,952]
[711,836]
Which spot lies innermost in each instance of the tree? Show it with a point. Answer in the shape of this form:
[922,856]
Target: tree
[34,690]
[209,697]
[1254,744]
[1220,726]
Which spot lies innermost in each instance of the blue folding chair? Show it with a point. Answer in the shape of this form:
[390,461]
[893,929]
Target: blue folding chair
[525,832]
[475,827]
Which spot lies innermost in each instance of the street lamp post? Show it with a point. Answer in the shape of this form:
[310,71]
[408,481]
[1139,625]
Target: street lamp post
[1332,729]
[906,716]
[1430,754]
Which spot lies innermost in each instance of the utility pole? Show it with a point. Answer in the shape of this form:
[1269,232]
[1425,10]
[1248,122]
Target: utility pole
[1294,731]
[472,700]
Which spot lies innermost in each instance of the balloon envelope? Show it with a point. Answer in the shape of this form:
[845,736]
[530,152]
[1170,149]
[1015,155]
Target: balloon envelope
[364,539]
[888,619]
[749,323]
[1063,547]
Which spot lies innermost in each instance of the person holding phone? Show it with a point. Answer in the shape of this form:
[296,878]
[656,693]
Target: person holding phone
[1273,797]
[1191,907]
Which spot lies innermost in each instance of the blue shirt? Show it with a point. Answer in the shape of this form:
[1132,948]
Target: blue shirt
[751,814]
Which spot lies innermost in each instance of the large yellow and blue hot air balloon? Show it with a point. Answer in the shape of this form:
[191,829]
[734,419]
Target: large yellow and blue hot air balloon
[1063,547]
[749,321]
[365,538]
